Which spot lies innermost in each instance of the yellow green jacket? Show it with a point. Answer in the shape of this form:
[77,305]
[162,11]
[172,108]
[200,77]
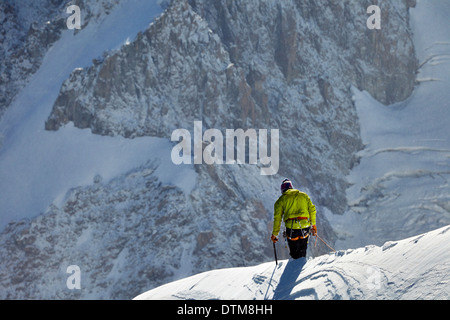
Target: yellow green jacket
[293,204]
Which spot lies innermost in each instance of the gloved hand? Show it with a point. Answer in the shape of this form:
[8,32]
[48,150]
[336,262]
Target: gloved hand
[314,230]
[274,238]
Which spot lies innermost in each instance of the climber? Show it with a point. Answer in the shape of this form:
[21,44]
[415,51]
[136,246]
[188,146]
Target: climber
[299,216]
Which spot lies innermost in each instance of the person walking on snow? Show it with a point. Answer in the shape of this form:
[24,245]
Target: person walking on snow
[298,212]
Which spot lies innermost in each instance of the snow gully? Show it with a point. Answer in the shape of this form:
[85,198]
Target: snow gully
[213,152]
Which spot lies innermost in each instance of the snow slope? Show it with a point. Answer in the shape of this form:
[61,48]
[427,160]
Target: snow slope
[413,268]
[401,186]
[34,162]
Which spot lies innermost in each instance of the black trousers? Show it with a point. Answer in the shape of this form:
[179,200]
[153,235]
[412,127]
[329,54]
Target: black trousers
[297,248]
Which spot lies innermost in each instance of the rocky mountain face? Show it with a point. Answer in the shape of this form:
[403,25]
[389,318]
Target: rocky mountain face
[24,41]
[28,29]
[255,65]
[286,65]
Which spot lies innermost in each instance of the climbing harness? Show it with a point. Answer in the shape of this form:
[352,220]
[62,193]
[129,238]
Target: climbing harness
[305,232]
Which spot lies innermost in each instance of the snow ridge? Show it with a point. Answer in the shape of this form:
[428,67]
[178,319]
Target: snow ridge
[413,268]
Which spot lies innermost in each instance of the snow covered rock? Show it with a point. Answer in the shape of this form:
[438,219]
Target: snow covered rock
[28,31]
[400,186]
[201,61]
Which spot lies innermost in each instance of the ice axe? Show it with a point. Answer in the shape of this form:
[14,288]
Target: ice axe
[275,252]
